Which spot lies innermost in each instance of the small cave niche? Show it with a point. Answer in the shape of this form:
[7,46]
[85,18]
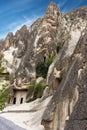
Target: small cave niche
[59,80]
[44,58]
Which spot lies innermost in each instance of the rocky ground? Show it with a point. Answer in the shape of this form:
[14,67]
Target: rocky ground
[27,115]
[8,125]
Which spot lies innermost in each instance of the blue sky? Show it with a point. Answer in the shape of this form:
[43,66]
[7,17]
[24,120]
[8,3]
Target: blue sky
[16,13]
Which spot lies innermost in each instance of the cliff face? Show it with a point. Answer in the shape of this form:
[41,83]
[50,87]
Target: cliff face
[65,37]
[65,78]
[78,117]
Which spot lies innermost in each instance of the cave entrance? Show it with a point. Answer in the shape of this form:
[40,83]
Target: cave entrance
[44,58]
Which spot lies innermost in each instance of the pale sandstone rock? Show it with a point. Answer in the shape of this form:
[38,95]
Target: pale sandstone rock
[66,78]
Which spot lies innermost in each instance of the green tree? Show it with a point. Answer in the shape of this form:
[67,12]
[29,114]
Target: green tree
[4,96]
[4,92]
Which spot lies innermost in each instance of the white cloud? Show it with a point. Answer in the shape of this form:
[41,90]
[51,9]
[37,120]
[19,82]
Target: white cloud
[26,21]
[67,6]
[13,27]
[61,4]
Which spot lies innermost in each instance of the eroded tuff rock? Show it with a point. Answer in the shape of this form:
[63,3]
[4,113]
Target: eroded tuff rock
[32,45]
[66,78]
[71,87]
[67,65]
[79,115]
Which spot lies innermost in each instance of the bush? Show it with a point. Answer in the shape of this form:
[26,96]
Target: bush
[41,70]
[30,89]
[8,77]
[5,85]
[35,91]
[38,90]
[1,56]
[4,96]
[4,93]
[2,69]
[42,67]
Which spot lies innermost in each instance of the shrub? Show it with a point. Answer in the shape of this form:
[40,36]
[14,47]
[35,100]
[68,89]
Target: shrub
[5,91]
[42,67]
[30,89]
[1,56]
[38,90]
[4,96]
[2,69]
[35,91]
[49,61]
[5,85]
[8,77]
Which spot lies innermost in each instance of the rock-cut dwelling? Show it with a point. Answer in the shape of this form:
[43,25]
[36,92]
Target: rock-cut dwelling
[20,95]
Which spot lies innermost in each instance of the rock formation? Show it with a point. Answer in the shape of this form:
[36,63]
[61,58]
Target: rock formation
[63,36]
[69,62]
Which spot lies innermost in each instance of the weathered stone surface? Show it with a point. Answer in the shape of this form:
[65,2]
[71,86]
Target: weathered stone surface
[71,87]
[79,115]
[67,75]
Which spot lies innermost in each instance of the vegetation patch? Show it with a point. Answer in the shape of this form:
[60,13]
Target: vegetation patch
[42,67]
[58,46]
[35,91]
[4,96]
[5,90]
[1,57]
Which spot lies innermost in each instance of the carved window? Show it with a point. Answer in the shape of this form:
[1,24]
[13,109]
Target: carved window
[14,100]
[21,101]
